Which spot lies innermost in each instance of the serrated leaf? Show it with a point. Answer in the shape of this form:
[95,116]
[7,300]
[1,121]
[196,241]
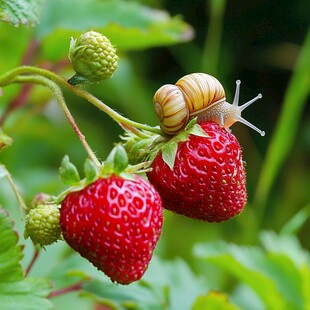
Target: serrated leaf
[68,173]
[213,300]
[27,294]
[26,12]
[10,252]
[17,292]
[128,24]
[169,152]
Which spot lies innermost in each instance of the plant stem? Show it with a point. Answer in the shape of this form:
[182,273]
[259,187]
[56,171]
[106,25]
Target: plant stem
[211,50]
[33,260]
[58,94]
[71,288]
[286,129]
[16,103]
[10,76]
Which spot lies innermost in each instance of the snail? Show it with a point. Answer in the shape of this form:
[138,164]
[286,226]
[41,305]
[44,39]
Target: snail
[198,95]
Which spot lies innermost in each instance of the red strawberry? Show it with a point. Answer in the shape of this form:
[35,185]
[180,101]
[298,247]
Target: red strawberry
[208,178]
[115,223]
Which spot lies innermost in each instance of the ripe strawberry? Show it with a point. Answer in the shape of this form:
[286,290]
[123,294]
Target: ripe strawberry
[208,178]
[115,223]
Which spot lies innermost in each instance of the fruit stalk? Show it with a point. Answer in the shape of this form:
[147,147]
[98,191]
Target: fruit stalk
[61,101]
[10,76]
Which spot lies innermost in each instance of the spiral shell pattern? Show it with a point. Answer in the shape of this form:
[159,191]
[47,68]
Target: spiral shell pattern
[200,91]
[191,96]
[171,109]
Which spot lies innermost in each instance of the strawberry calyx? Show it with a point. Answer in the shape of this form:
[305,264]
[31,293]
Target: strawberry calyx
[145,146]
[116,163]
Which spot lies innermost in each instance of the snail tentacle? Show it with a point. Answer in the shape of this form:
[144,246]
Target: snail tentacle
[198,95]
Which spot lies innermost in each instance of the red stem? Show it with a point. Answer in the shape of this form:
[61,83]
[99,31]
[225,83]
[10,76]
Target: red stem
[24,93]
[71,288]
[17,102]
[31,49]
[34,258]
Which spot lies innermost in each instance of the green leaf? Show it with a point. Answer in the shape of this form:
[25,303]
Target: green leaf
[166,285]
[287,245]
[305,272]
[21,11]
[69,175]
[276,272]
[296,222]
[10,252]
[245,264]
[27,294]
[169,152]
[213,300]
[128,24]
[17,292]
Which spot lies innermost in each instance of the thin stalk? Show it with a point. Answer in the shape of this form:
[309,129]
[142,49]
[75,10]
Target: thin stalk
[9,77]
[58,94]
[33,260]
[69,289]
[286,129]
[211,50]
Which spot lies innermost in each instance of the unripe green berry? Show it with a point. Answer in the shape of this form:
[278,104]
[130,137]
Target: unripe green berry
[93,58]
[42,225]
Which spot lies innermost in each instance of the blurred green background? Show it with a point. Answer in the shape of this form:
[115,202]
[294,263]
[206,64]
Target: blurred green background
[265,44]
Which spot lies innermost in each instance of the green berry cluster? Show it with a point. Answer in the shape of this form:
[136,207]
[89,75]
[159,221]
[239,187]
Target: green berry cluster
[42,225]
[93,57]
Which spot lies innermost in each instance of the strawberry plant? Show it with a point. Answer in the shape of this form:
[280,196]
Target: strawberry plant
[106,238]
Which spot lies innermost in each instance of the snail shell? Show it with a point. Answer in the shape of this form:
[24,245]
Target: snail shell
[197,95]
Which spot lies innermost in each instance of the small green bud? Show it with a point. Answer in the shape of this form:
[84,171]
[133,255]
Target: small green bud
[93,58]
[5,140]
[42,225]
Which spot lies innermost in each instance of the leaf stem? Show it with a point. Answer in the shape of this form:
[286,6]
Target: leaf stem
[10,76]
[58,94]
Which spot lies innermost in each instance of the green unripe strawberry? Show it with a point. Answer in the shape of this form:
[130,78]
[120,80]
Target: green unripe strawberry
[42,225]
[93,58]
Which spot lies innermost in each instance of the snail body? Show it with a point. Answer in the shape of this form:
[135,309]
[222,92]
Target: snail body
[198,95]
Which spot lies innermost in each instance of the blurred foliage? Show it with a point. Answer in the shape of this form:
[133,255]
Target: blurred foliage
[265,44]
